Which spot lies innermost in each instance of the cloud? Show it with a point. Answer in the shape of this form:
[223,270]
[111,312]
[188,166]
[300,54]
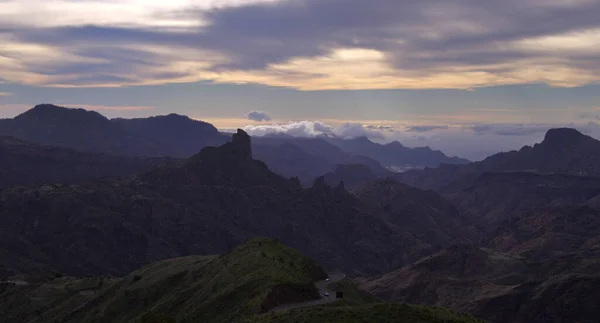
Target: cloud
[5,94]
[593,116]
[259,116]
[303,44]
[512,129]
[353,130]
[311,129]
[424,128]
[474,142]
[387,128]
[307,129]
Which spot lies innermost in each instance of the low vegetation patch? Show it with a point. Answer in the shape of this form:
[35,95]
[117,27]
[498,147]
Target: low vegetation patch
[375,313]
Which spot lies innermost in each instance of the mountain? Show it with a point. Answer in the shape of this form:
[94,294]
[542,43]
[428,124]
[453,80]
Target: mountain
[497,196]
[27,163]
[201,205]
[73,128]
[394,154]
[550,232]
[426,220]
[252,278]
[243,285]
[350,175]
[563,150]
[307,158]
[495,286]
[174,135]
[290,160]
[171,135]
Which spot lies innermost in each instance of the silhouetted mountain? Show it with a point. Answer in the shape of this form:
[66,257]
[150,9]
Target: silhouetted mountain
[307,158]
[203,205]
[395,154]
[350,175]
[562,151]
[27,163]
[73,128]
[290,160]
[174,135]
[495,197]
[170,135]
[429,219]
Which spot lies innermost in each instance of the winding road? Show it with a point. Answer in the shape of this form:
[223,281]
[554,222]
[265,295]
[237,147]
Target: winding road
[322,287]
[16,282]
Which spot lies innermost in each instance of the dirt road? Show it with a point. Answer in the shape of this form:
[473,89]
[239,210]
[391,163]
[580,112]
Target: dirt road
[322,287]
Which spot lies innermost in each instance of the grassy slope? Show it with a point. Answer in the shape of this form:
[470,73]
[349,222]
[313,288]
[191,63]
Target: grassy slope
[375,313]
[359,306]
[48,299]
[239,286]
[251,279]
[352,295]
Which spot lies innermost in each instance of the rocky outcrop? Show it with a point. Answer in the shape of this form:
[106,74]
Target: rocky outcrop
[242,143]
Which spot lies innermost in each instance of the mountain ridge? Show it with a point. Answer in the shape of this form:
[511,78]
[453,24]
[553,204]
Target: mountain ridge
[563,150]
[217,198]
[24,163]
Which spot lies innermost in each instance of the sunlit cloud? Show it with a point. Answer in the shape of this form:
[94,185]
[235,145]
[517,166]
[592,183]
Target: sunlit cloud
[474,141]
[126,13]
[5,94]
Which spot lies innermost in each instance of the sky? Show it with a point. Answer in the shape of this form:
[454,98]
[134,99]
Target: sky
[468,77]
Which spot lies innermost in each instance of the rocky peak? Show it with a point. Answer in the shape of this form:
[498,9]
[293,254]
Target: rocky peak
[563,136]
[45,112]
[241,142]
[320,182]
[394,144]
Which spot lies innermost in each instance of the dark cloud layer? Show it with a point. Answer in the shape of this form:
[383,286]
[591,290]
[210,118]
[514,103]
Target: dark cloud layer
[258,116]
[417,36]
[459,32]
[512,130]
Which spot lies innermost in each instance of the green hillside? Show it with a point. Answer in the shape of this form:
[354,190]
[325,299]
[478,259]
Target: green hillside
[371,313]
[253,278]
[242,286]
[250,279]
[352,295]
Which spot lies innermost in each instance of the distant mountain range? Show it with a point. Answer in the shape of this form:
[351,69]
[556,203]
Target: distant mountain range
[28,163]
[181,137]
[512,238]
[563,169]
[394,154]
[203,205]
[539,214]
[563,150]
